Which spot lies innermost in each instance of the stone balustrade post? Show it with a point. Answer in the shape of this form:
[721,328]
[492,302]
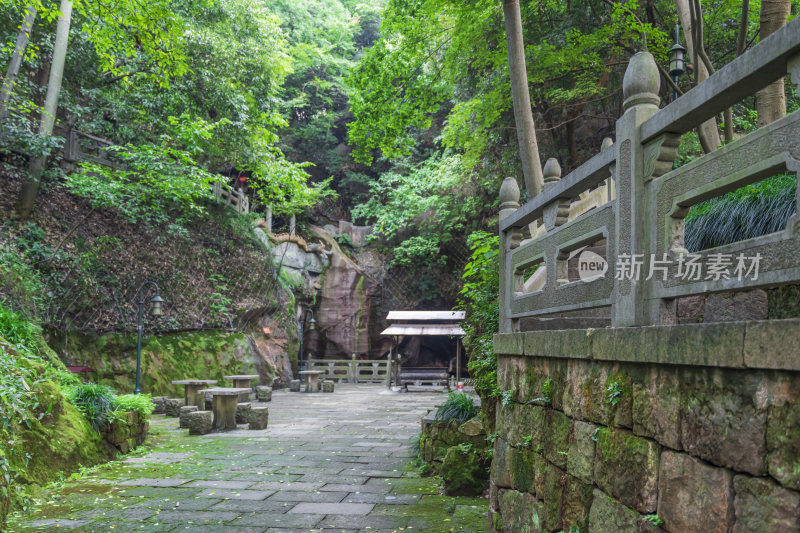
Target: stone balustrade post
[640,88]
[509,202]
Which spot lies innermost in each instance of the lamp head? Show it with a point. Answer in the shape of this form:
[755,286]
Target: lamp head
[156,309]
[312,324]
[677,60]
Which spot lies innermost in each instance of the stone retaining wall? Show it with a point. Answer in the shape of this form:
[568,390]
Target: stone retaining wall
[662,428]
[127,433]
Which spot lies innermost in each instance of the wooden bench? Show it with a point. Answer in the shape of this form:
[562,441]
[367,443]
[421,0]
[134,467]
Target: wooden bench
[85,370]
[419,376]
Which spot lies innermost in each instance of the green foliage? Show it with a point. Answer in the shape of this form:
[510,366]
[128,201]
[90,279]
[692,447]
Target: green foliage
[142,404]
[344,239]
[443,64]
[424,196]
[20,286]
[18,331]
[94,401]
[547,390]
[156,180]
[655,520]
[18,408]
[748,212]
[417,251]
[507,398]
[219,301]
[458,407]
[478,298]
[614,392]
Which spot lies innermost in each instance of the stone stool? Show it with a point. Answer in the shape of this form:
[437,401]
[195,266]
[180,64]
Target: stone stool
[172,407]
[263,393]
[294,385]
[184,416]
[243,412]
[199,422]
[327,386]
[158,402]
[258,418]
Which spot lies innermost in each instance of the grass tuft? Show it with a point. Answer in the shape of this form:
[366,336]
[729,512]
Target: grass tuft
[458,407]
[758,209]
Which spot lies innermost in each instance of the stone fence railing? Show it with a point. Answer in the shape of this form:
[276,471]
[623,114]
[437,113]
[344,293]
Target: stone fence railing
[353,370]
[638,234]
[81,146]
[235,198]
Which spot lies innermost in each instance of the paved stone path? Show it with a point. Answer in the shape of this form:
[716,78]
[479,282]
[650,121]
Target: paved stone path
[327,462]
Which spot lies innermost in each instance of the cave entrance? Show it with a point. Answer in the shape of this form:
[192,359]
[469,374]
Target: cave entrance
[426,348]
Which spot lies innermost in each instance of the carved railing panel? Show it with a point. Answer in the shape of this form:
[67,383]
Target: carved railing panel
[629,203]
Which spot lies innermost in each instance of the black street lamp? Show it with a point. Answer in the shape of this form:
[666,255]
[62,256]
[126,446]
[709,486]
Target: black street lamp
[677,61]
[311,326]
[155,310]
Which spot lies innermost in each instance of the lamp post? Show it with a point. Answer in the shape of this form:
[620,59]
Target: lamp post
[155,310]
[311,326]
[677,61]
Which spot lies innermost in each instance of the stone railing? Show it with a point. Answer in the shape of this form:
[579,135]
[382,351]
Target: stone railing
[638,233]
[232,197]
[80,146]
[353,370]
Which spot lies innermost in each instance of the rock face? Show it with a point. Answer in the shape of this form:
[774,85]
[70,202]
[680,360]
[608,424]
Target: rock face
[209,354]
[347,309]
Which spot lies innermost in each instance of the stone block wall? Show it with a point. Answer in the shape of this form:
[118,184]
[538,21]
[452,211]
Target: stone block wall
[127,433]
[663,428]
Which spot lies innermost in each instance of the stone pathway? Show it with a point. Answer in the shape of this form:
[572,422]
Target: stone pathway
[327,462]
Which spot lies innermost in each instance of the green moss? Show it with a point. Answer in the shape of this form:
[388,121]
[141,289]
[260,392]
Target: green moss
[784,302]
[463,472]
[522,469]
[208,354]
[617,387]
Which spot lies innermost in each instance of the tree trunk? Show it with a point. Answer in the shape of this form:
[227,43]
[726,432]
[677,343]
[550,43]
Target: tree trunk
[707,131]
[526,129]
[16,60]
[30,187]
[771,100]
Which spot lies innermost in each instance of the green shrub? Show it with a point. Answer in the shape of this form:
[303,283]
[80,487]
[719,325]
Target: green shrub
[458,407]
[137,403]
[478,298]
[18,331]
[94,401]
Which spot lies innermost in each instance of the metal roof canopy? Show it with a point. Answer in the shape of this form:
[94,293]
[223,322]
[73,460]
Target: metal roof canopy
[427,316]
[424,329]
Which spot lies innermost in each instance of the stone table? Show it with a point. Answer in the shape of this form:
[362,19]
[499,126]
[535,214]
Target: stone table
[243,381]
[191,391]
[312,379]
[224,405]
